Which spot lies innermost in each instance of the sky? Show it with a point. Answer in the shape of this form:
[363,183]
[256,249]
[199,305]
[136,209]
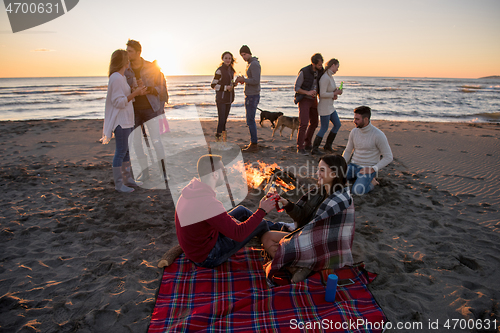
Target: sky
[410,38]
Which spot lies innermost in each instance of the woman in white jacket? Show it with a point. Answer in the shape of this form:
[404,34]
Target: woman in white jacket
[119,119]
[328,92]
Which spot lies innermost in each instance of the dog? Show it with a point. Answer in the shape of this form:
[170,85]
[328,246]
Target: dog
[271,116]
[290,122]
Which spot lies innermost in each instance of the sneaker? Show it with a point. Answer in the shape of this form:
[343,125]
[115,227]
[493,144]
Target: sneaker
[302,152]
[251,148]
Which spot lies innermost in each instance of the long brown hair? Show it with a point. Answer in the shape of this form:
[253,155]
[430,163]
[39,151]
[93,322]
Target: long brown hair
[232,61]
[337,165]
[119,58]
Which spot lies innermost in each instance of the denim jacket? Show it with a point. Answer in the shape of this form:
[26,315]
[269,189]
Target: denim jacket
[151,77]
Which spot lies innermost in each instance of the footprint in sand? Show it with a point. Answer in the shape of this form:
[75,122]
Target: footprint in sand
[464,151]
[417,146]
[441,149]
[398,144]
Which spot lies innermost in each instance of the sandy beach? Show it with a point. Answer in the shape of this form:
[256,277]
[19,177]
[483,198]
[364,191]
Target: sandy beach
[77,256]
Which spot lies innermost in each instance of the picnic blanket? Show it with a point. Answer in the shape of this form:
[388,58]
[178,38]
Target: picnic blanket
[235,297]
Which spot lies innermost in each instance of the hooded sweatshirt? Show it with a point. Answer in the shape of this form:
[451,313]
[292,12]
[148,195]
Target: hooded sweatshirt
[252,82]
[200,217]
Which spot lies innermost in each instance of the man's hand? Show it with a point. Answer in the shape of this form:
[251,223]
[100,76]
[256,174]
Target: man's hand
[283,201]
[267,204]
[312,93]
[240,79]
[367,171]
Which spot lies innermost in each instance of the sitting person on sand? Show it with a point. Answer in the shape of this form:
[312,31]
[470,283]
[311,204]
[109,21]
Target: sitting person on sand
[208,234]
[366,144]
[325,220]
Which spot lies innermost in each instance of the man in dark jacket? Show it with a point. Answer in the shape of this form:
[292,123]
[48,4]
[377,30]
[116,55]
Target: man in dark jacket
[306,92]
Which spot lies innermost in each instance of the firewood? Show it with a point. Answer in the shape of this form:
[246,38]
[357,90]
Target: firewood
[170,256]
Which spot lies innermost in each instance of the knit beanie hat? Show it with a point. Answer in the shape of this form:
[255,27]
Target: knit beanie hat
[245,49]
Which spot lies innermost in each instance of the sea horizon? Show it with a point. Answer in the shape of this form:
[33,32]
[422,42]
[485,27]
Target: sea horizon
[391,98]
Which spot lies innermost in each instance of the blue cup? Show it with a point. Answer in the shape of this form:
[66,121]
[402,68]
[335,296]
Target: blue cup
[331,288]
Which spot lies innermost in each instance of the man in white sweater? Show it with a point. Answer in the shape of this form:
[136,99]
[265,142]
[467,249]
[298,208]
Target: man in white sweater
[365,146]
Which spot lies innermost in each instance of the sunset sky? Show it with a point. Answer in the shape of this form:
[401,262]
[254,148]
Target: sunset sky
[428,38]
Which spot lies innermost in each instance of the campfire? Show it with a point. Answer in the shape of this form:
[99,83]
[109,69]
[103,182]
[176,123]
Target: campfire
[259,174]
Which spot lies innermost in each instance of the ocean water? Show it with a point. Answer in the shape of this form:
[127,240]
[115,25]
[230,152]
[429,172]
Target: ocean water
[406,99]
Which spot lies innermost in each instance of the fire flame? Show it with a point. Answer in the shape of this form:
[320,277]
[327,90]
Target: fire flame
[258,172]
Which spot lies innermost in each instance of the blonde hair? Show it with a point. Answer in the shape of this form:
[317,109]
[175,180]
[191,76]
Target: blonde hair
[331,62]
[119,58]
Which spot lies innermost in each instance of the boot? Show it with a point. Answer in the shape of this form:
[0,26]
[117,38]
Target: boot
[329,141]
[217,137]
[128,178]
[251,148]
[315,148]
[119,186]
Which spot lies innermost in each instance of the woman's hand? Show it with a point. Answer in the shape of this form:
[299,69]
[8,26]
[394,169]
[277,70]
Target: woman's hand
[141,90]
[267,204]
[137,91]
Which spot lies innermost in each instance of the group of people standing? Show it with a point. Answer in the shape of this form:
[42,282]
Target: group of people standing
[312,82]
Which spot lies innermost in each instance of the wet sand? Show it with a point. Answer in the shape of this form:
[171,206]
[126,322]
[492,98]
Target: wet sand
[78,256]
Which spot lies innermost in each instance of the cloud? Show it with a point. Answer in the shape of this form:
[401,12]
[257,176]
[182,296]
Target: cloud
[42,50]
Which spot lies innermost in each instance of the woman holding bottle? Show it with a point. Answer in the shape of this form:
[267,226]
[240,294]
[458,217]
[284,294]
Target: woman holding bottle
[325,226]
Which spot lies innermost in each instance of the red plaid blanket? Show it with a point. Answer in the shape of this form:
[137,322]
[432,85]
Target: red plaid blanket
[235,298]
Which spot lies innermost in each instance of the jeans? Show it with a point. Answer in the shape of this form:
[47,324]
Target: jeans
[308,114]
[251,103]
[223,111]
[225,247]
[334,118]
[121,151]
[363,183]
